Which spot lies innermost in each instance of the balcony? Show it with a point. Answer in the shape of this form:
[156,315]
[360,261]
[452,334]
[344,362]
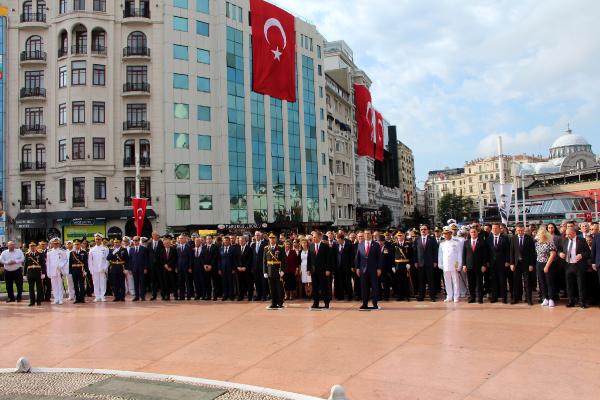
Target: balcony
[63,52]
[130,162]
[141,14]
[78,202]
[41,204]
[137,126]
[26,204]
[29,166]
[32,130]
[33,93]
[33,57]
[99,51]
[34,20]
[136,89]
[78,49]
[127,200]
[131,52]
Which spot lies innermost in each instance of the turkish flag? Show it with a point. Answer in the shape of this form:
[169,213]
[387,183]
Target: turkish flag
[139,213]
[365,120]
[378,136]
[273,51]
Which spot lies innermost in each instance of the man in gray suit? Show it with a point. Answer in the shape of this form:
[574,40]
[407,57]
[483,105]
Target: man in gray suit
[368,263]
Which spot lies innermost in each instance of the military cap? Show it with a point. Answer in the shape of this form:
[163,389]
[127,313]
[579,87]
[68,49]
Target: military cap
[451,221]
[76,241]
[54,239]
[127,238]
[32,244]
[399,233]
[437,229]
[98,235]
[42,242]
[272,236]
[446,230]
[454,227]
[116,241]
[69,242]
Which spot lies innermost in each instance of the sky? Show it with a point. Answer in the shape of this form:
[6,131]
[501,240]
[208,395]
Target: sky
[455,75]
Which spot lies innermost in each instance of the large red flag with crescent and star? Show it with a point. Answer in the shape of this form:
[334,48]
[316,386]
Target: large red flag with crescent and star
[365,120]
[139,213]
[378,136]
[273,51]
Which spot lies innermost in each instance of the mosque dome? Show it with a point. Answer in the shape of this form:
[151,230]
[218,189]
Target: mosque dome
[569,143]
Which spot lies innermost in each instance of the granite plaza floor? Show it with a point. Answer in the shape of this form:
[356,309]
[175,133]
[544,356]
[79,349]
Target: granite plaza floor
[404,351]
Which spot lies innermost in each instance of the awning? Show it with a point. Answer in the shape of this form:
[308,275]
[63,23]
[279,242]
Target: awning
[30,220]
[26,220]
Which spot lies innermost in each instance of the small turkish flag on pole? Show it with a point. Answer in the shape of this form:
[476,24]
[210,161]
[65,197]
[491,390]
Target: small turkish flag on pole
[139,213]
[378,136]
[273,51]
[365,120]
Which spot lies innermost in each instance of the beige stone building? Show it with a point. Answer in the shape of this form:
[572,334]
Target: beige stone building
[406,166]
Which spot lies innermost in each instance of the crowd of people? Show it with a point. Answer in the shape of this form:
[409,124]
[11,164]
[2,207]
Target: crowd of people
[469,263]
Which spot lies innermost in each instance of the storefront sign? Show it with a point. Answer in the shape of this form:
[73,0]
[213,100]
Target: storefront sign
[80,231]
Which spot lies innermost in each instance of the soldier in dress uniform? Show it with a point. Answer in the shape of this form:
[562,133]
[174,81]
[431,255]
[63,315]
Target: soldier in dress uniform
[273,270]
[450,262]
[42,251]
[57,264]
[36,271]
[117,258]
[78,260]
[98,266]
[401,270]
[387,263]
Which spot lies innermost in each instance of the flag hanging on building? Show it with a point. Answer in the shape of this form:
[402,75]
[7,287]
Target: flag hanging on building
[504,199]
[378,136]
[365,120]
[273,51]
[139,213]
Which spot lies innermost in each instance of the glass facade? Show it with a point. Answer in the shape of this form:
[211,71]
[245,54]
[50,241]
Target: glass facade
[310,139]
[277,159]
[3,21]
[295,158]
[236,126]
[259,158]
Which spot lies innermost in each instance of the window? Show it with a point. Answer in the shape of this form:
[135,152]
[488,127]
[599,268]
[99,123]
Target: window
[62,76]
[98,112]
[100,188]
[99,75]
[136,114]
[180,81]
[202,6]
[98,41]
[180,24]
[203,56]
[100,5]
[34,117]
[130,189]
[205,202]
[78,112]
[62,150]
[78,5]
[203,113]
[34,79]
[203,84]
[202,28]
[318,51]
[62,114]
[62,6]
[78,192]
[78,150]
[78,73]
[129,153]
[98,148]
[181,140]
[137,76]
[234,12]
[320,70]
[136,41]
[181,111]
[180,3]
[182,202]
[204,172]
[180,52]
[25,193]
[204,142]
[182,171]
[321,91]
[26,156]
[62,190]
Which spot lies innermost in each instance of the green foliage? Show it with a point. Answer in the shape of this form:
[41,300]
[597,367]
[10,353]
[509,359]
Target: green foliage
[454,206]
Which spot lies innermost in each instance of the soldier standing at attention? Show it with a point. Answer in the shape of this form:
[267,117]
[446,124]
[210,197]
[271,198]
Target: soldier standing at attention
[78,260]
[401,270]
[273,270]
[42,251]
[98,264]
[118,257]
[36,271]
[57,262]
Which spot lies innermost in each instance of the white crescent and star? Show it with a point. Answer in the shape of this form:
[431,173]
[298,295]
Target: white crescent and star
[270,23]
[371,110]
[139,213]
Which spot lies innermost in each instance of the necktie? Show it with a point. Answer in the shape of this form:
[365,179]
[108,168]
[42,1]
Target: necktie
[317,249]
[154,245]
[569,250]
[197,251]
[473,245]
[423,242]
[520,242]
[367,249]
[496,241]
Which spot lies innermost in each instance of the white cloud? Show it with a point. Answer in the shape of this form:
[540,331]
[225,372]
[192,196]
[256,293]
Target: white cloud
[536,141]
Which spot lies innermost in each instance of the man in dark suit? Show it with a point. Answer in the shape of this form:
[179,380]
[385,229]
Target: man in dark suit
[243,270]
[228,260]
[343,268]
[368,266]
[198,268]
[575,251]
[475,257]
[139,261]
[155,274]
[212,280]
[169,263]
[522,264]
[425,258]
[499,253]
[185,260]
[258,249]
[320,270]
[596,254]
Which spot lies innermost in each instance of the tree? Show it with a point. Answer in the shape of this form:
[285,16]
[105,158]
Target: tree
[415,219]
[454,206]
[385,217]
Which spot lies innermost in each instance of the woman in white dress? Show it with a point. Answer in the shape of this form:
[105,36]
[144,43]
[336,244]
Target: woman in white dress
[304,262]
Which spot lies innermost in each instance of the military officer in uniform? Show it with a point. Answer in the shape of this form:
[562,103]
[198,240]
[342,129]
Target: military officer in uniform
[36,271]
[387,263]
[117,258]
[401,270]
[57,264]
[42,251]
[98,265]
[273,270]
[78,260]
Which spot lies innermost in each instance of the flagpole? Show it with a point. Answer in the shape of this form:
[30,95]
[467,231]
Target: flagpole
[137,172]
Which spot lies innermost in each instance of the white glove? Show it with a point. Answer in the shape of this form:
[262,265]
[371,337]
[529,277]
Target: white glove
[43,276]
[280,273]
[266,276]
[407,266]
[394,270]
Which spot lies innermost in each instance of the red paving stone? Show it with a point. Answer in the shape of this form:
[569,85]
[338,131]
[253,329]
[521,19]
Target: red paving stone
[405,351]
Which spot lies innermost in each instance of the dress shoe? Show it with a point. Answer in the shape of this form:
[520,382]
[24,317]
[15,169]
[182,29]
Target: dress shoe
[152,298]
[143,299]
[504,301]
[10,300]
[530,302]
[31,304]
[513,302]
[315,307]
[480,301]
[570,305]
[363,307]
[471,301]
[39,303]
[551,303]
[583,305]
[326,305]
[136,299]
